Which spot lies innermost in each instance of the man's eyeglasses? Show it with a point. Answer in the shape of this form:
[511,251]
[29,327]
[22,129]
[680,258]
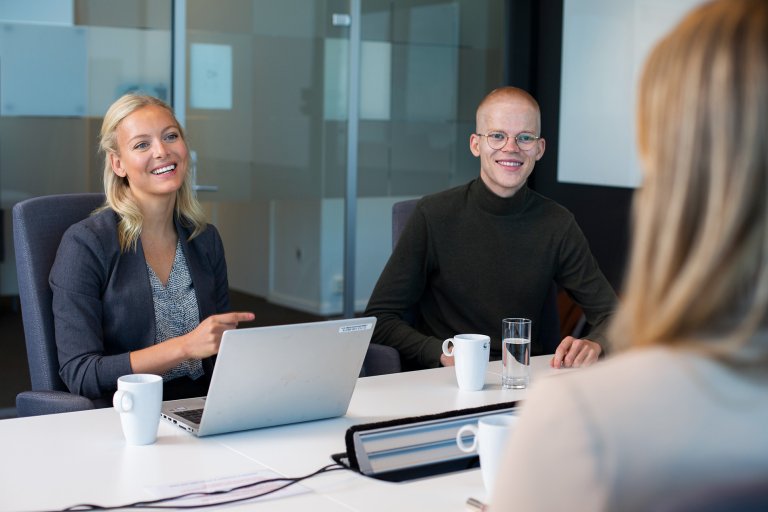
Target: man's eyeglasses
[497,140]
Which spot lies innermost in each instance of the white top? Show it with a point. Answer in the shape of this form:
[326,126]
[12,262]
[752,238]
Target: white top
[176,311]
[642,428]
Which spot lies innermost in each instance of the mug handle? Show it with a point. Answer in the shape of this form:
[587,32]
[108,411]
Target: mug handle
[467,448]
[122,400]
[445,347]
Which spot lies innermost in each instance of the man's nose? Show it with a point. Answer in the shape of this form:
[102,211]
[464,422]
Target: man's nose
[510,145]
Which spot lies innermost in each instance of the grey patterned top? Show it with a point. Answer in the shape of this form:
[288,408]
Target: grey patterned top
[176,312]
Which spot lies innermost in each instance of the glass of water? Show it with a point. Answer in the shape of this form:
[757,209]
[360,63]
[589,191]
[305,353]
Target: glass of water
[516,352]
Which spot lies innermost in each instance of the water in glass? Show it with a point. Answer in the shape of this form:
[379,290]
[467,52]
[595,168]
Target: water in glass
[516,360]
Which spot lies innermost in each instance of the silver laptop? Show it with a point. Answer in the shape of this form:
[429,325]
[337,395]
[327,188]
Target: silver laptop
[266,376]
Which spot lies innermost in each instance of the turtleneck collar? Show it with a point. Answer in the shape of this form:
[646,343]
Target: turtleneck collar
[489,202]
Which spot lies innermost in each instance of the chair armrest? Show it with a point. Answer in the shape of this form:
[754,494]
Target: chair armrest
[36,403]
[380,360]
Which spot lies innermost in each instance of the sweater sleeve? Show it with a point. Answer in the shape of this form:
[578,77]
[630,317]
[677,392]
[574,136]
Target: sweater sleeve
[579,274]
[395,297]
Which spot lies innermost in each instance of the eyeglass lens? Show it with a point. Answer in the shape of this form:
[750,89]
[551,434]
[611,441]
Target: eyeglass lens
[497,140]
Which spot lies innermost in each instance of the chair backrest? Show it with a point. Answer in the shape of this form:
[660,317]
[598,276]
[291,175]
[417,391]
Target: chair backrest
[401,212]
[38,224]
[549,331]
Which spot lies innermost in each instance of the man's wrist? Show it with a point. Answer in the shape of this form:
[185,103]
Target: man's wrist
[432,353]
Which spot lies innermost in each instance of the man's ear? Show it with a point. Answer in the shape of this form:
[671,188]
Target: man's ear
[541,144]
[474,144]
[116,164]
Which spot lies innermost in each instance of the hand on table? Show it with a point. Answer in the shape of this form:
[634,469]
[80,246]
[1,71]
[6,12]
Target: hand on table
[575,353]
[447,360]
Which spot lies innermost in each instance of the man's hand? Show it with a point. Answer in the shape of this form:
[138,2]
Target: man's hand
[575,353]
[447,360]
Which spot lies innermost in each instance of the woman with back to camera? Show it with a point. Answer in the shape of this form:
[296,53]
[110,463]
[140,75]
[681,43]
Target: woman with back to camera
[141,285]
[684,410]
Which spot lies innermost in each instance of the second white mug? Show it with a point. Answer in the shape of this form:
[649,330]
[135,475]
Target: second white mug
[491,433]
[471,353]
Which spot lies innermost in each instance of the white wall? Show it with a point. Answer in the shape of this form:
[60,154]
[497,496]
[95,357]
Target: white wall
[605,43]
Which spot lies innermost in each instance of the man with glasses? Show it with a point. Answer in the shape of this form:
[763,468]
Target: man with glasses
[475,254]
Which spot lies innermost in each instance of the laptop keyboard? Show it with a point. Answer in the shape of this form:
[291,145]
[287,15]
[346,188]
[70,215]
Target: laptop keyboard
[193,415]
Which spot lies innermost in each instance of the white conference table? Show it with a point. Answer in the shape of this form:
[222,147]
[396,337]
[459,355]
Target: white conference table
[56,461]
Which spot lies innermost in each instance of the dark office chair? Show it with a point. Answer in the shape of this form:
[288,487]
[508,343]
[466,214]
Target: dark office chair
[380,360]
[549,332]
[38,225]
[401,212]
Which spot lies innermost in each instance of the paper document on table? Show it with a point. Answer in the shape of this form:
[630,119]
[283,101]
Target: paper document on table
[199,492]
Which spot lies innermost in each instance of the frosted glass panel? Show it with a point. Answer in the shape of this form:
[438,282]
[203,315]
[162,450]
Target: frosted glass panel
[431,82]
[210,80]
[78,71]
[375,79]
[60,12]
[49,78]
[127,59]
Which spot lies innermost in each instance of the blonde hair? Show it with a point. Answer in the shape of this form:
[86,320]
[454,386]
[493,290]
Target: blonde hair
[698,270]
[116,188]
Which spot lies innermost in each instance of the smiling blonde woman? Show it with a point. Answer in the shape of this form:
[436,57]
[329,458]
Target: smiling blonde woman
[141,285]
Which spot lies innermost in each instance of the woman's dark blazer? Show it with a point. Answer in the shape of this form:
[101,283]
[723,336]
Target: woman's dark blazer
[102,299]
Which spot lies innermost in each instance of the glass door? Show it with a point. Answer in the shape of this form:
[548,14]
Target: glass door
[310,119]
[271,161]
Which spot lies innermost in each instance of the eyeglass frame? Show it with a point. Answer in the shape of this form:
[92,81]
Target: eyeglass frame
[507,137]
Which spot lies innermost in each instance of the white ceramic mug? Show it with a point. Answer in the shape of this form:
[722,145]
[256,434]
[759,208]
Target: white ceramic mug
[490,435]
[138,399]
[471,353]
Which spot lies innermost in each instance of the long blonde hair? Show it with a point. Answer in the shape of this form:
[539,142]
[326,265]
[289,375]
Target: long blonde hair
[698,270]
[116,188]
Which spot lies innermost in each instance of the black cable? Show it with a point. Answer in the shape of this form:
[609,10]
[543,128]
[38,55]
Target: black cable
[157,504]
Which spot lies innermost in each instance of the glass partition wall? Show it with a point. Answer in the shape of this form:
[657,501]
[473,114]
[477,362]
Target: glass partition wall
[61,64]
[276,147]
[266,87]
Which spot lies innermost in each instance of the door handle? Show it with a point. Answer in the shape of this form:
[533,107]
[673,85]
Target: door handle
[195,186]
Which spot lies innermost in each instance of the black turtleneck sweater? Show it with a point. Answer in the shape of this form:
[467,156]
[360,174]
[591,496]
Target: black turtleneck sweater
[468,258]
